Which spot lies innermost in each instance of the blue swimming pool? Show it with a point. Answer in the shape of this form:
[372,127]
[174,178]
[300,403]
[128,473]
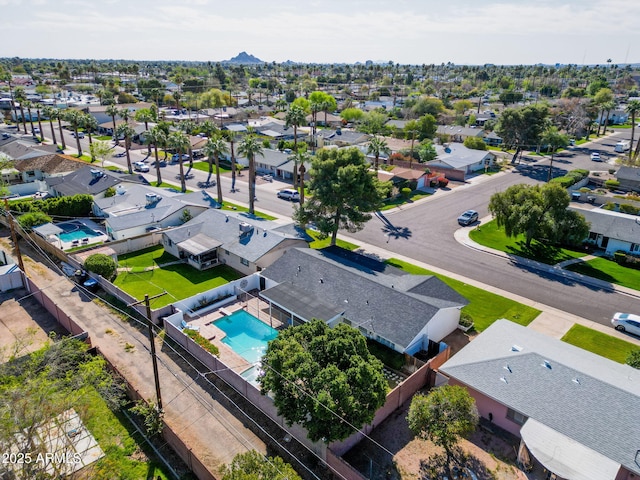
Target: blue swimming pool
[75,231]
[246,335]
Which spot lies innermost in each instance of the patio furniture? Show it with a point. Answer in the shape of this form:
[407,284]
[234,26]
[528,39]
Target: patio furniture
[185,325]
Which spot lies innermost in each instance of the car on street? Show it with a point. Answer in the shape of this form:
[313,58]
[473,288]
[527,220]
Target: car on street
[176,157]
[468,217]
[595,156]
[288,194]
[80,134]
[626,322]
[36,130]
[140,167]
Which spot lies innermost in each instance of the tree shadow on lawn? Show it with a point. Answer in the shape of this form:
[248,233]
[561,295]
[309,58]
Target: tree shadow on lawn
[585,268]
[436,467]
[540,252]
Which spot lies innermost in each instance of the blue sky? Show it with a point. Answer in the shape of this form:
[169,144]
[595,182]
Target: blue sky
[327,31]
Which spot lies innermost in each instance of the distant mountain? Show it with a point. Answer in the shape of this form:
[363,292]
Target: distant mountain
[244,58]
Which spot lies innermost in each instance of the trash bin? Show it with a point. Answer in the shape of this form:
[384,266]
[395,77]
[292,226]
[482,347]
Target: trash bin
[591,199]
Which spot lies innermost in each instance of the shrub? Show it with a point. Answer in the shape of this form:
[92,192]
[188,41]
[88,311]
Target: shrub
[466,320]
[581,171]
[203,342]
[630,209]
[443,182]
[612,184]
[101,264]
[619,257]
[584,190]
[609,206]
[405,192]
[33,219]
[565,182]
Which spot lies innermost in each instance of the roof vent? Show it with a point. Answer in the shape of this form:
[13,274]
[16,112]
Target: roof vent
[577,380]
[95,173]
[508,368]
[226,218]
[516,348]
[245,227]
[504,379]
[120,190]
[546,364]
[152,198]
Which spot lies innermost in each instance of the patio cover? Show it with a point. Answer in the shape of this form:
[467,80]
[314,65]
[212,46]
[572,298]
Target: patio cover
[47,229]
[299,302]
[199,244]
[564,456]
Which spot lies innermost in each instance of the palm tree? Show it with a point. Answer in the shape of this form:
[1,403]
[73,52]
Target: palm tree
[633,107]
[40,123]
[215,147]
[377,146]
[230,137]
[125,130]
[21,98]
[156,136]
[250,146]
[28,104]
[6,77]
[51,113]
[209,128]
[606,110]
[74,117]
[188,126]
[180,142]
[90,124]
[295,117]
[145,116]
[299,158]
[112,110]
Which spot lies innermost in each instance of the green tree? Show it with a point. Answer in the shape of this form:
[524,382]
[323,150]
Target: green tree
[125,130]
[376,147]
[462,106]
[427,105]
[351,115]
[426,127]
[343,191]
[215,147]
[427,151]
[633,358]
[156,137]
[633,107]
[373,123]
[253,466]
[180,143]
[20,97]
[475,143]
[554,140]
[90,125]
[74,117]
[144,115]
[295,117]
[50,114]
[603,99]
[538,212]
[323,378]
[250,147]
[113,110]
[101,264]
[33,219]
[522,128]
[411,129]
[444,416]
[100,151]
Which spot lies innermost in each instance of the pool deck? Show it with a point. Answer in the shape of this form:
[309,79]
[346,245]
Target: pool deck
[212,333]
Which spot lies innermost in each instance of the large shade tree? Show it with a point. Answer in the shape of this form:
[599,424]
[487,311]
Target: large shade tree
[343,192]
[250,146]
[538,212]
[444,416]
[324,379]
[522,128]
[253,466]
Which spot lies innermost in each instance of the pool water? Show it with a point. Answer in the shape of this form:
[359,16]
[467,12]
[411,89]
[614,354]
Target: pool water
[76,231]
[246,335]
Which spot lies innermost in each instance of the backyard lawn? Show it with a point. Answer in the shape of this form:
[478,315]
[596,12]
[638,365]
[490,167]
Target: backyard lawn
[599,343]
[490,235]
[178,280]
[609,271]
[484,307]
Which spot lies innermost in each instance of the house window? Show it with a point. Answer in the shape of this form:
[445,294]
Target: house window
[593,236]
[226,252]
[516,417]
[635,247]
[244,261]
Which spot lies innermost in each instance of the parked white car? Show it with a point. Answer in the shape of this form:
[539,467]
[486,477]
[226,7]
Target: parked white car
[140,167]
[626,322]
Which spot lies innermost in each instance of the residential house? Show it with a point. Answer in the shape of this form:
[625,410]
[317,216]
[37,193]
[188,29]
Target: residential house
[629,178]
[340,138]
[37,166]
[92,181]
[458,134]
[575,412]
[404,312]
[99,112]
[463,159]
[17,147]
[139,209]
[325,120]
[269,162]
[613,231]
[616,117]
[493,139]
[220,237]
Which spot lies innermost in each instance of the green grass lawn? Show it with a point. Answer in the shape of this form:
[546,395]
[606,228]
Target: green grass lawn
[116,436]
[599,343]
[319,243]
[179,281]
[609,271]
[400,200]
[484,307]
[204,167]
[490,235]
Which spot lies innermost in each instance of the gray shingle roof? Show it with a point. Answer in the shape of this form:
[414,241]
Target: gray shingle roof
[225,228]
[83,181]
[619,226]
[584,396]
[369,292]
[459,156]
[628,173]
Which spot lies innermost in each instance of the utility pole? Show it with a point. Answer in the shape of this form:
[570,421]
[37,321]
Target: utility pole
[154,360]
[14,237]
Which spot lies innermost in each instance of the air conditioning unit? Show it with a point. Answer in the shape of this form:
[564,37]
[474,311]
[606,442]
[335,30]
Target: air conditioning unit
[245,227]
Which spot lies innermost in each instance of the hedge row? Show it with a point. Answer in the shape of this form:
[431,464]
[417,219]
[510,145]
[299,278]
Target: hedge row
[571,178]
[626,260]
[73,206]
